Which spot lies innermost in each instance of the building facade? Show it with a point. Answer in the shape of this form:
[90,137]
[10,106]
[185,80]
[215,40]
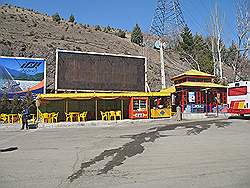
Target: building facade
[196,92]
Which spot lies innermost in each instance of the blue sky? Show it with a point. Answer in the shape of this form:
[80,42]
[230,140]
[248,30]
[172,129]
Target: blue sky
[126,13]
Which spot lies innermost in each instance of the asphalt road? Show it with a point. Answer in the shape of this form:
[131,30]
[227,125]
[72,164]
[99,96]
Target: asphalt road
[192,154]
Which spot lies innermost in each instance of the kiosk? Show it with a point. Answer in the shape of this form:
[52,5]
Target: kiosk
[138,108]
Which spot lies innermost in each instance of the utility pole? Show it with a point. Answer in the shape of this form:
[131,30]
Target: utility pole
[167,24]
[163,79]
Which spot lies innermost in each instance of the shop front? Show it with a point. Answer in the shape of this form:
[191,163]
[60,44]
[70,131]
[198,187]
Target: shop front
[106,106]
[196,93]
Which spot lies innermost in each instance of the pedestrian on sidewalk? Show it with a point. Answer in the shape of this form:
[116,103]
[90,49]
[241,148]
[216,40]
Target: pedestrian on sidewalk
[25,116]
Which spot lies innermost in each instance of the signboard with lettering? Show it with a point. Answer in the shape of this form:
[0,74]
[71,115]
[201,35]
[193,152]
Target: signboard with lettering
[191,96]
[20,75]
[91,71]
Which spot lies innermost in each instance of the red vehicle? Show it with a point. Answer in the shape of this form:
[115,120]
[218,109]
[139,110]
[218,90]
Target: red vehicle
[238,97]
[138,108]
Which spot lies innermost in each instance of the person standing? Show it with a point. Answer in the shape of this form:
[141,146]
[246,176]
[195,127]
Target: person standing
[25,116]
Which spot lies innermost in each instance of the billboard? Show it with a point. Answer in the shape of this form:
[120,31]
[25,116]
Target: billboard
[19,75]
[89,71]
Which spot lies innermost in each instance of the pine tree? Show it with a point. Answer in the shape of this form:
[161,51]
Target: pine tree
[15,106]
[4,104]
[187,43]
[230,58]
[56,17]
[195,50]
[202,54]
[72,18]
[137,36]
[29,103]
[109,28]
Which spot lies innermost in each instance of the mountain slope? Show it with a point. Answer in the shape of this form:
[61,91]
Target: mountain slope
[27,33]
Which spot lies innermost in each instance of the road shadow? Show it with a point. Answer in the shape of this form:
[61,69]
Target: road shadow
[8,149]
[239,117]
[112,158]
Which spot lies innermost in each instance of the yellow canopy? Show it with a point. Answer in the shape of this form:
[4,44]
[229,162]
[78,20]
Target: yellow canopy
[201,84]
[192,72]
[169,90]
[61,96]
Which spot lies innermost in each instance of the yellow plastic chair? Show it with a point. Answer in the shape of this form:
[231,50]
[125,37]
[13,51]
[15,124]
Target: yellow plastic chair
[119,114]
[44,116]
[104,115]
[8,117]
[83,116]
[20,118]
[3,118]
[54,117]
[68,117]
[41,117]
[112,115]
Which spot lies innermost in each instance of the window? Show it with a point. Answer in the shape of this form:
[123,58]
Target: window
[237,91]
[140,104]
[199,80]
[136,104]
[143,104]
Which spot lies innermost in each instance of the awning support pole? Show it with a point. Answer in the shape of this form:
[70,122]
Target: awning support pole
[122,107]
[37,114]
[66,106]
[96,109]
[149,109]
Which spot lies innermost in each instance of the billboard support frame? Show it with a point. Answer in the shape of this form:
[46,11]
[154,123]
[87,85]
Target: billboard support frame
[56,72]
[45,77]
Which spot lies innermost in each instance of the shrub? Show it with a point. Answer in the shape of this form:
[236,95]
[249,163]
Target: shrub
[56,17]
[4,104]
[71,18]
[98,28]
[109,28]
[105,30]
[121,33]
[66,29]
[85,26]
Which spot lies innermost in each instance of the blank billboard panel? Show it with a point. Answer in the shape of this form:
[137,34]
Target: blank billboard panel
[99,72]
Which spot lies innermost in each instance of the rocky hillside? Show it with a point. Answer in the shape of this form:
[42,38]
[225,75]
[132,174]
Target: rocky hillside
[27,33]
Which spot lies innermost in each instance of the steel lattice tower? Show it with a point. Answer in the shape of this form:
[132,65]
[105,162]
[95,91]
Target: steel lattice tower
[167,24]
[168,20]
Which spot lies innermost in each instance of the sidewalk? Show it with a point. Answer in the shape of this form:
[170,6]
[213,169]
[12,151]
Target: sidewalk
[126,122]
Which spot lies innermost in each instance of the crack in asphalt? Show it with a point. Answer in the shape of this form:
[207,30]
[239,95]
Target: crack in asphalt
[135,147]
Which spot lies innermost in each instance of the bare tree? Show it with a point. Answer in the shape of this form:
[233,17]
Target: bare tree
[243,25]
[216,29]
[243,30]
